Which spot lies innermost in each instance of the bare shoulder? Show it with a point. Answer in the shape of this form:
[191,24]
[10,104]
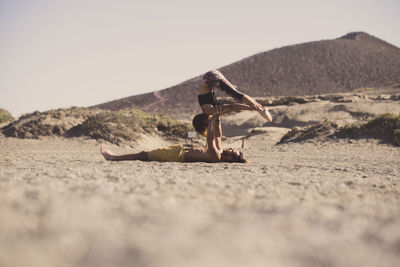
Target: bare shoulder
[204,88]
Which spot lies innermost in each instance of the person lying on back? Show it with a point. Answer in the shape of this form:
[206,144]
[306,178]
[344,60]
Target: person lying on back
[213,153]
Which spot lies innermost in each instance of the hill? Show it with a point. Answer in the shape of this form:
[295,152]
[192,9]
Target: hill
[353,61]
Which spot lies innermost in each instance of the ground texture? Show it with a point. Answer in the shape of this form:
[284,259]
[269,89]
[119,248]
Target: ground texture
[333,203]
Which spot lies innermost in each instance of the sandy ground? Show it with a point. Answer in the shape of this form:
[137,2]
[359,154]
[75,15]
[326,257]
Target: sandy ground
[312,204]
[290,116]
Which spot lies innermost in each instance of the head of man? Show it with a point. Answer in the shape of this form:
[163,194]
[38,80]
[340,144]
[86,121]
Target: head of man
[232,155]
[200,123]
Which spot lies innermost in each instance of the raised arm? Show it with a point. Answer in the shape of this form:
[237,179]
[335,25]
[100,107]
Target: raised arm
[214,134]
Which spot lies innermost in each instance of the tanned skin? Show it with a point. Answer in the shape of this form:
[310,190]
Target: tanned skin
[212,154]
[248,103]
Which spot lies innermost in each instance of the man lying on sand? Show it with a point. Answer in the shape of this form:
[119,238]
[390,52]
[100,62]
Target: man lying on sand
[213,153]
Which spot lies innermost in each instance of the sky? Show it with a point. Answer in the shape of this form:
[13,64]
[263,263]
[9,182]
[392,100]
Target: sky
[59,53]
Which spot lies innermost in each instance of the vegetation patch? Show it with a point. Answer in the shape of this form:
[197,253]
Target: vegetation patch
[52,122]
[113,126]
[297,134]
[5,116]
[385,127]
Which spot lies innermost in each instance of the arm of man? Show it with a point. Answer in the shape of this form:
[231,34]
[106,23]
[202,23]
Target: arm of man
[214,134]
[218,133]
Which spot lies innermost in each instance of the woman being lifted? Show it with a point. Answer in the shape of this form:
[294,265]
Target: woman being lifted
[208,102]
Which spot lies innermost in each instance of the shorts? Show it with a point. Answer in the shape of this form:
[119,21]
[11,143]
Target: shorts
[174,153]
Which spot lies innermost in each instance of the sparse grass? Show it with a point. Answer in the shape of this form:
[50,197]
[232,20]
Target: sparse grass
[363,90]
[5,116]
[308,132]
[173,127]
[137,113]
[56,114]
[128,124]
[113,126]
[385,127]
[110,126]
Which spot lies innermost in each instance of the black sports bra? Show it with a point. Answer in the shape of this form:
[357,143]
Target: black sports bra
[208,98]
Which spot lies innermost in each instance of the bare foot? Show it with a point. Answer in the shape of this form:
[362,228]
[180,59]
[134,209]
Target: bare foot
[106,154]
[265,114]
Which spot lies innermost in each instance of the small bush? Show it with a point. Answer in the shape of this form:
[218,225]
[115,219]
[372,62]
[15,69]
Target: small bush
[110,126]
[170,126]
[113,126]
[5,116]
[384,127]
[309,132]
[396,137]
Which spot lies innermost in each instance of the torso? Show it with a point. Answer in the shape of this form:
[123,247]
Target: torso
[204,88]
[200,155]
[195,155]
[209,107]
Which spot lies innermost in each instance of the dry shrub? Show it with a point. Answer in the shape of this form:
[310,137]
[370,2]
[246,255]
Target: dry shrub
[385,127]
[113,126]
[5,116]
[309,132]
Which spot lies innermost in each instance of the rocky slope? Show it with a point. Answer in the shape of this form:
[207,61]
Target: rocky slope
[356,60]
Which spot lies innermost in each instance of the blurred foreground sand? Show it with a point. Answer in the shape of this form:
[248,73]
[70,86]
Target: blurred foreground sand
[312,204]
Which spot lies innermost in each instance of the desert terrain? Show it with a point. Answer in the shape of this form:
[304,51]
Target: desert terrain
[355,60]
[319,202]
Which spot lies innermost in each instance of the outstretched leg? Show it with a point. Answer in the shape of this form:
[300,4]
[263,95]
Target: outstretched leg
[111,156]
[214,77]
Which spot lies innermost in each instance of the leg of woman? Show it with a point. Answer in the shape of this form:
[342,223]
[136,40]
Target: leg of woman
[215,77]
[227,87]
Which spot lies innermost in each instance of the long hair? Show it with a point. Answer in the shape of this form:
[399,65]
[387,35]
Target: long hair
[240,158]
[237,158]
[200,123]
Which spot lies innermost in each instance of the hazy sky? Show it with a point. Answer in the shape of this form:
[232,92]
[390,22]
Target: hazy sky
[56,54]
